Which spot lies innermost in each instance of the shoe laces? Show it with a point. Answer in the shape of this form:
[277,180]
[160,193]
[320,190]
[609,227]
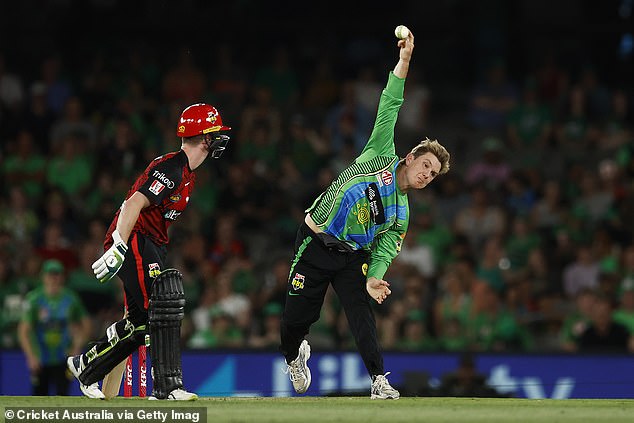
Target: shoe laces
[295,369]
[380,382]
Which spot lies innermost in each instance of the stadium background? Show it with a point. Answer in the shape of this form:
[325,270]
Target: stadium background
[95,88]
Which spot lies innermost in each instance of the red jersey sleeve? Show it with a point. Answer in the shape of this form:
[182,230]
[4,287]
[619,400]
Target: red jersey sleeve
[162,179]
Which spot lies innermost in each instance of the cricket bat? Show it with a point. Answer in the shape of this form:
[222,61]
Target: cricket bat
[112,381]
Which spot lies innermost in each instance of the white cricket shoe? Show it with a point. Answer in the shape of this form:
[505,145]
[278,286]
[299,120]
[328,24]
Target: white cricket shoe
[381,388]
[298,371]
[76,365]
[178,394]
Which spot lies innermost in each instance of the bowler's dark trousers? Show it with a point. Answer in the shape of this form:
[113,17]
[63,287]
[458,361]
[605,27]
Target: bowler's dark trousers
[314,267]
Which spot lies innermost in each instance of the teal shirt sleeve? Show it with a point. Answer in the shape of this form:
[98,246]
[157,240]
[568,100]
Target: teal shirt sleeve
[387,246]
[381,141]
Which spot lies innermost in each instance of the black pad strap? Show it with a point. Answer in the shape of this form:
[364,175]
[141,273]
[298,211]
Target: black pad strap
[166,311]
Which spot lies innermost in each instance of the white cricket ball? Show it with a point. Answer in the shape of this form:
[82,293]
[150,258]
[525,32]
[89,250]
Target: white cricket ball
[401,32]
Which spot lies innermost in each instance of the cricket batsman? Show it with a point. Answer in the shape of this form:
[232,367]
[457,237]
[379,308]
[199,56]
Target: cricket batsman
[135,250]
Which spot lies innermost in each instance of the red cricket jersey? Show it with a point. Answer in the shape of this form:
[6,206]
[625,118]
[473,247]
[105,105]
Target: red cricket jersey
[167,182]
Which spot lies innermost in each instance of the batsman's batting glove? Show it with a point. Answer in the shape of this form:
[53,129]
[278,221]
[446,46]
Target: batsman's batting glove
[109,264]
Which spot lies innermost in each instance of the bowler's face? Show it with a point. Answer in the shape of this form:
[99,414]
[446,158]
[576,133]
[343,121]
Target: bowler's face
[422,170]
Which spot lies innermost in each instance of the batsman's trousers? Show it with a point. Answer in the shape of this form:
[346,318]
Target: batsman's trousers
[314,267]
[138,273]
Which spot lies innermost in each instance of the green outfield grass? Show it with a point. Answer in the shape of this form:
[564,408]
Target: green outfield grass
[354,409]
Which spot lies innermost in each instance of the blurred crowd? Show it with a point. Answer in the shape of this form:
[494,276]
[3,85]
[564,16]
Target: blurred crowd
[526,245]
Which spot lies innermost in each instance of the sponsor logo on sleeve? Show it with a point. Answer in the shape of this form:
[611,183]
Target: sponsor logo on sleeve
[164,179]
[156,187]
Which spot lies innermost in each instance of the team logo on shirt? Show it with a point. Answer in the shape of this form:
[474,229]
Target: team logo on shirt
[156,187]
[362,213]
[154,270]
[364,269]
[175,198]
[298,281]
[386,177]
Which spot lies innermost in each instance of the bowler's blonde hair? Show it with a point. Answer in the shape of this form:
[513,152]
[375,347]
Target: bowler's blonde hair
[435,148]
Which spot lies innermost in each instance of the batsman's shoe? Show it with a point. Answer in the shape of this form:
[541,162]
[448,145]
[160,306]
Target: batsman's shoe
[178,395]
[298,370]
[76,365]
[381,388]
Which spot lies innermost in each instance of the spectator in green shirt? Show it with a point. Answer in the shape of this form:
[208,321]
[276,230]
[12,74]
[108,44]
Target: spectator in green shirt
[18,218]
[222,333]
[624,313]
[577,321]
[529,125]
[54,324]
[69,170]
[416,337]
[24,166]
[12,292]
[491,327]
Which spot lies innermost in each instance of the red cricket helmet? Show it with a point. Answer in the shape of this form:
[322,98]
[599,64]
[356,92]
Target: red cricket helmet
[199,119]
